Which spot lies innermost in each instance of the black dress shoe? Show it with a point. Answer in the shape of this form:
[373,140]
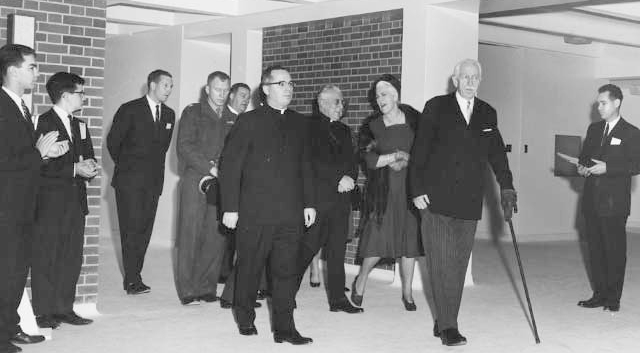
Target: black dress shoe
[47,321]
[436,330]
[346,307]
[355,297]
[225,304]
[592,302]
[9,348]
[452,337]
[72,318]
[189,301]
[612,307]
[145,287]
[314,284]
[248,331]
[209,297]
[22,338]
[409,305]
[137,288]
[295,338]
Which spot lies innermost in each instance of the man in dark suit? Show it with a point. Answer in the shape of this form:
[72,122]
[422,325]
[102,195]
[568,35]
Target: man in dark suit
[335,171]
[267,193]
[610,157]
[138,142]
[200,245]
[61,207]
[457,136]
[21,157]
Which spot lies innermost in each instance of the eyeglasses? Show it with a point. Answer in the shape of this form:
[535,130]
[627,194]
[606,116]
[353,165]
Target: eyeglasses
[282,84]
[78,92]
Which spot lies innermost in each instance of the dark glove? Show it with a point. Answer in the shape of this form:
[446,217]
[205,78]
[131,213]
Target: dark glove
[210,188]
[508,200]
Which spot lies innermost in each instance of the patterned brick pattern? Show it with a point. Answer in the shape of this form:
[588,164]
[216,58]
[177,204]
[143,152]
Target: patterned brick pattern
[349,52]
[70,36]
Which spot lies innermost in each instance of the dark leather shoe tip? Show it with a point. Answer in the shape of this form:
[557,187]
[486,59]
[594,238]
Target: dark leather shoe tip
[72,319]
[225,304]
[613,308]
[452,337]
[209,298]
[248,331]
[345,307]
[314,284]
[296,340]
[436,330]
[47,321]
[23,338]
[409,306]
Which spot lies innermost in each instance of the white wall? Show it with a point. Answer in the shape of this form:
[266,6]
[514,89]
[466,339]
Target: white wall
[550,93]
[128,61]
[631,112]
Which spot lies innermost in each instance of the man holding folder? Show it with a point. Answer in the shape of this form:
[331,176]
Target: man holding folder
[610,156]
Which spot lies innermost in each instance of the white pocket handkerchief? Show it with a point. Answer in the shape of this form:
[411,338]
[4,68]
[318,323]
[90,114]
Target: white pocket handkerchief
[83,131]
[168,126]
[615,141]
[487,130]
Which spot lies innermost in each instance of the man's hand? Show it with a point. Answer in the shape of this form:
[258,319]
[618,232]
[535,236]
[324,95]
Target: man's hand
[421,202]
[508,200]
[346,184]
[214,171]
[230,219]
[47,144]
[598,168]
[398,165]
[583,171]
[86,169]
[402,156]
[309,217]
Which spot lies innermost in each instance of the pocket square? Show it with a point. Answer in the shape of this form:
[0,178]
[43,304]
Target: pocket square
[230,122]
[168,126]
[615,141]
[487,130]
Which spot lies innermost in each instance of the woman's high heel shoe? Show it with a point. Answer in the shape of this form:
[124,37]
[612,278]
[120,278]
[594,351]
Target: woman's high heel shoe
[355,297]
[409,306]
[314,284]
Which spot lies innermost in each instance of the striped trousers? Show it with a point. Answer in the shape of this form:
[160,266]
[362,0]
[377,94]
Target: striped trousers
[447,245]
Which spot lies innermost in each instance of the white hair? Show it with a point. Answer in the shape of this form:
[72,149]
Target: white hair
[326,89]
[476,63]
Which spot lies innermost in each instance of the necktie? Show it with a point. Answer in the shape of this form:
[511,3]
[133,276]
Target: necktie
[27,114]
[157,117]
[71,135]
[468,111]
[606,132]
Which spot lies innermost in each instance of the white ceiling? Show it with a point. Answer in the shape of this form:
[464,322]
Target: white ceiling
[612,21]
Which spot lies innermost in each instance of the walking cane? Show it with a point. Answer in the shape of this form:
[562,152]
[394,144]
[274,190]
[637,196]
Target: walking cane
[524,282]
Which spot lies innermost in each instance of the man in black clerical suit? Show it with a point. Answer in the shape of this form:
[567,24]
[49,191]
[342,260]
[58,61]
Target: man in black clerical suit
[61,206]
[138,142]
[610,157]
[335,171]
[457,136]
[266,186]
[22,154]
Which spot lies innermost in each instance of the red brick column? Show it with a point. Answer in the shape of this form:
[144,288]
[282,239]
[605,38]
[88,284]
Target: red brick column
[349,52]
[70,36]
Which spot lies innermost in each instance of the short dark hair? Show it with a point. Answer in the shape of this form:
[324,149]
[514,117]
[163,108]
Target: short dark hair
[219,74]
[614,91]
[237,86]
[13,55]
[266,74]
[154,76]
[62,82]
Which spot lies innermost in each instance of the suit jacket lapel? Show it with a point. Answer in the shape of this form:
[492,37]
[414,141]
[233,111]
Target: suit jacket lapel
[17,113]
[61,128]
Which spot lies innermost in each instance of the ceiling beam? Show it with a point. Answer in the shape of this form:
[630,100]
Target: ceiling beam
[502,8]
[191,7]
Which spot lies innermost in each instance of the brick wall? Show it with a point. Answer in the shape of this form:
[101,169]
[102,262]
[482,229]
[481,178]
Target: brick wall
[349,52]
[70,36]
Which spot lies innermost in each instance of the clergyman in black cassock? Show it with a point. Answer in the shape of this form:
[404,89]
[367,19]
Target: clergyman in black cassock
[267,194]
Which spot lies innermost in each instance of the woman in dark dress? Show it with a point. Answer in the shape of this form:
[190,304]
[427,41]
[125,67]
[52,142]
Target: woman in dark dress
[389,223]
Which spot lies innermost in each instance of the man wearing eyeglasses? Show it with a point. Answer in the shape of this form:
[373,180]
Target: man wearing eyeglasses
[268,197]
[200,245]
[61,206]
[335,171]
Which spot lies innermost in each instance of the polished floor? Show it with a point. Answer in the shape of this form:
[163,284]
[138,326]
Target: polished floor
[493,316]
